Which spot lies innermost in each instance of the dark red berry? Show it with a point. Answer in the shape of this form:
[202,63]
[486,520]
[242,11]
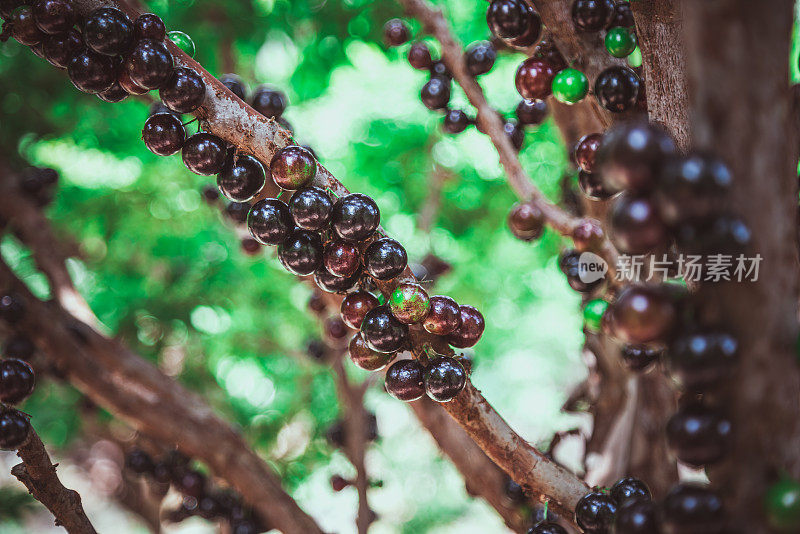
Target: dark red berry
[355,217]
[139,462]
[629,488]
[236,85]
[592,15]
[702,359]
[642,314]
[637,517]
[692,186]
[404,380]
[241,178]
[526,221]
[623,16]
[595,512]
[470,330]
[568,262]
[593,187]
[455,121]
[355,307]
[335,284]
[419,56]
[515,134]
[336,330]
[632,155]
[293,167]
[508,19]
[16,380]
[531,112]
[269,101]
[435,94]
[636,225]
[547,51]
[480,57]
[311,209]
[366,358]
[444,317]
[617,88]
[91,72]
[301,252]
[54,16]
[445,377]
[12,309]
[693,509]
[108,31]
[342,257]
[588,235]
[382,331]
[149,26]
[338,483]
[204,153]
[440,70]
[385,259]
[534,79]
[269,221]
[639,357]
[720,234]
[192,483]
[396,32]
[532,31]
[115,93]
[585,152]
[23,27]
[149,64]
[14,429]
[547,527]
[699,435]
[163,134]
[250,246]
[184,92]
[59,49]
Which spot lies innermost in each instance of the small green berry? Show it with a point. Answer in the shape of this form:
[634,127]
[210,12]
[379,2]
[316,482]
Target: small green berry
[570,86]
[620,42]
[593,314]
[782,505]
[182,41]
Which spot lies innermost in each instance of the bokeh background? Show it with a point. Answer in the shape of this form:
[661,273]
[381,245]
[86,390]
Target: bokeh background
[164,270]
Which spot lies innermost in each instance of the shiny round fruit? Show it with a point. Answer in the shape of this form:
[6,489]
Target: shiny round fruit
[335,284]
[507,19]
[382,331]
[623,16]
[585,152]
[355,307]
[782,505]
[311,209]
[235,83]
[470,330]
[115,93]
[54,16]
[385,259]
[592,186]
[149,26]
[642,314]
[588,235]
[633,155]
[699,360]
[204,153]
[14,429]
[629,488]
[108,31]
[620,42]
[366,358]
[639,357]
[693,509]
[404,380]
[184,92]
[699,435]
[342,257]
[59,49]
[396,32]
[12,309]
[533,30]
[139,462]
[692,186]
[237,211]
[269,101]
[515,134]
[455,121]
[480,57]
[534,79]
[435,94]
[547,51]
[531,112]
[570,86]
[419,56]
[301,252]
[182,41]
[269,221]
[163,134]
[547,527]
[91,72]
[593,313]
[149,64]
[636,225]
[409,303]
[444,316]
[592,15]
[445,377]
[293,167]
[355,217]
[526,221]
[595,512]
[241,178]
[16,380]
[23,27]
[617,89]
[637,517]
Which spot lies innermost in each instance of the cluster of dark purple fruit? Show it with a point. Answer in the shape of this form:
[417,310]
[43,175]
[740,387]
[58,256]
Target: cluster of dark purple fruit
[38,184]
[265,99]
[200,497]
[17,379]
[627,508]
[479,59]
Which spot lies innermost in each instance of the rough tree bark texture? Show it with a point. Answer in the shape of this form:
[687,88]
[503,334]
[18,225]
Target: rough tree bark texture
[38,474]
[740,109]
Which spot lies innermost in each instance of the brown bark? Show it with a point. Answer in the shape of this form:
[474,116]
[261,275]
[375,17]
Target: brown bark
[740,104]
[38,474]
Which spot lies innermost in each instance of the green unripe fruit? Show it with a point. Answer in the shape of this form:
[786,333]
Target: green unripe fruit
[182,41]
[620,42]
[570,86]
[782,505]
[593,314]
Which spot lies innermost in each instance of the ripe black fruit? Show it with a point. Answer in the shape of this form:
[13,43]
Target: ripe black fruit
[149,64]
[515,133]
[382,331]
[396,32]
[385,258]
[59,49]
[435,94]
[404,380]
[547,527]
[702,359]
[419,56]
[526,221]
[470,330]
[629,488]
[235,84]
[444,316]
[355,307]
[480,58]
[14,429]
[149,26]
[693,509]
[592,15]
[639,357]
[269,221]
[204,153]
[92,72]
[693,186]
[108,31]
[301,252]
[269,101]
[335,284]
[445,377]
[54,16]
[241,178]
[531,112]
[16,380]
[184,92]
[311,208]
[595,512]
[699,435]
[617,88]
[355,217]
[593,187]
[237,211]
[513,21]
[24,28]
[115,93]
[342,257]
[637,517]
[455,121]
[163,134]
[632,155]
[139,462]
[636,225]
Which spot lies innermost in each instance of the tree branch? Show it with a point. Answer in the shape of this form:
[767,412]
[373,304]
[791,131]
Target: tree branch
[38,474]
